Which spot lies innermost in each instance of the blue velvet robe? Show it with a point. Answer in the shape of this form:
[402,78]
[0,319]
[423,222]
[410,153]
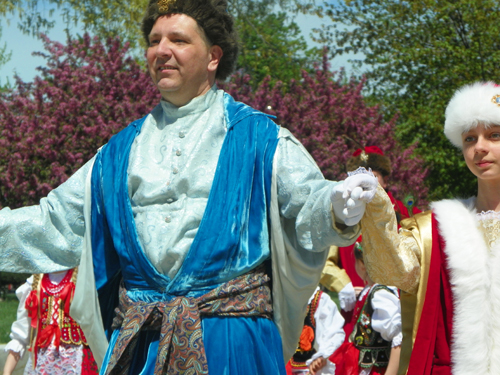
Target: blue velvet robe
[233,238]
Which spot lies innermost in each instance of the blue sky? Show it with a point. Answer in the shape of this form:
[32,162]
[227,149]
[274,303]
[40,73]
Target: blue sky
[21,47]
[24,64]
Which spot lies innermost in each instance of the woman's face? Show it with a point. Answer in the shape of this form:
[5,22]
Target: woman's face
[481,149]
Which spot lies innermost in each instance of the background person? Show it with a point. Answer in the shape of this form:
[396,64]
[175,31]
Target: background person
[43,324]
[322,333]
[374,345]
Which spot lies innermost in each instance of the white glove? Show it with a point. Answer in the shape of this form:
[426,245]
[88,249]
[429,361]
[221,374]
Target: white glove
[360,186]
[349,212]
[347,297]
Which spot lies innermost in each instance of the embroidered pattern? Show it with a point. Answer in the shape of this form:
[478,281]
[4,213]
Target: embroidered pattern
[58,343]
[489,224]
[373,349]
[305,349]
[380,237]
[181,341]
[164,5]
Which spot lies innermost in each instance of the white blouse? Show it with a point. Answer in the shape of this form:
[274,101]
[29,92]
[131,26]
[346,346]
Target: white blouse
[386,317]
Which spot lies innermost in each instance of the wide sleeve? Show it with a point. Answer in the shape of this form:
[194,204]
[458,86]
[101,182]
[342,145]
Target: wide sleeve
[390,258]
[333,277]
[302,230]
[20,329]
[46,237]
[387,315]
[329,333]
[304,199]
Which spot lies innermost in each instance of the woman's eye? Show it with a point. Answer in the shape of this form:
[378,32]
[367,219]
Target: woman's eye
[495,135]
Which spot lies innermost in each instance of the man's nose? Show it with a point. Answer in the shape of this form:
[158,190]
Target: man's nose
[164,48]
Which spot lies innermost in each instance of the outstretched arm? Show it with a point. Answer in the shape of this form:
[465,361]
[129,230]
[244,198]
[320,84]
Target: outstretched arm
[46,237]
[391,258]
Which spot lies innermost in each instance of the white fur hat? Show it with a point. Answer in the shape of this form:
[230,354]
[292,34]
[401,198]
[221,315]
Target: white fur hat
[471,105]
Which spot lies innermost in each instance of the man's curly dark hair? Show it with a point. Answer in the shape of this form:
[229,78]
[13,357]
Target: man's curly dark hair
[212,16]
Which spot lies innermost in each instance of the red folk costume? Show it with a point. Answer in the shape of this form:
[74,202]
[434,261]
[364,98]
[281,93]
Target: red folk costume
[377,329]
[57,342]
[305,349]
[321,335]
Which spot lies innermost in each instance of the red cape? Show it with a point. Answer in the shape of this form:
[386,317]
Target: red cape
[432,348]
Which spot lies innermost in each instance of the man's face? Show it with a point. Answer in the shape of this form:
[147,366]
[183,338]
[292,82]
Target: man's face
[181,61]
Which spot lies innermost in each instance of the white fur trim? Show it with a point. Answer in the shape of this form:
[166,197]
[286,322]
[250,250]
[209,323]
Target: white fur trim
[475,283]
[469,106]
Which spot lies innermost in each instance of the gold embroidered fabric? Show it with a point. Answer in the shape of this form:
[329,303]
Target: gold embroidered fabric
[490,227]
[334,277]
[164,5]
[391,258]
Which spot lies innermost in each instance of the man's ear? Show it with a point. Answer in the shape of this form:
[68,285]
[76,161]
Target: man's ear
[215,56]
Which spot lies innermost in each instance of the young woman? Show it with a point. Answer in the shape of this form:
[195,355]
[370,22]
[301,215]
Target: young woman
[447,260]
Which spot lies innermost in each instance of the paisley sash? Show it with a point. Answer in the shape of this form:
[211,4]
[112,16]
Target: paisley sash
[179,323]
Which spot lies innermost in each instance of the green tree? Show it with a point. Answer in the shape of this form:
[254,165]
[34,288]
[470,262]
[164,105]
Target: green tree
[100,17]
[415,54]
[4,57]
[271,45]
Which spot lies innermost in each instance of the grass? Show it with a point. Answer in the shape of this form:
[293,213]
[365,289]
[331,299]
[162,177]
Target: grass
[8,309]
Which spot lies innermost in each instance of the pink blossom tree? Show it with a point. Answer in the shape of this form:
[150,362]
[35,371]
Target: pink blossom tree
[88,91]
[332,120]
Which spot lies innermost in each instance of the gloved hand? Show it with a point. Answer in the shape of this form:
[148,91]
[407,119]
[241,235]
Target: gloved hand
[360,186]
[347,297]
[349,212]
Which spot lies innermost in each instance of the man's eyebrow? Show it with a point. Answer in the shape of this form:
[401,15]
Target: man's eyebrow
[174,34]
[153,35]
[178,34]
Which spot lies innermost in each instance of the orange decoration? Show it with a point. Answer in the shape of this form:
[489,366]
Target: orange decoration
[306,339]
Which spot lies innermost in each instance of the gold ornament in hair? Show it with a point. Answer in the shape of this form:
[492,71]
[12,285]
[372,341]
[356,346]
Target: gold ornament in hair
[363,156]
[164,5]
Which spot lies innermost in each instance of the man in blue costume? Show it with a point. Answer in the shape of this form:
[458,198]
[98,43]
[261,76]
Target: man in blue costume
[203,226]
